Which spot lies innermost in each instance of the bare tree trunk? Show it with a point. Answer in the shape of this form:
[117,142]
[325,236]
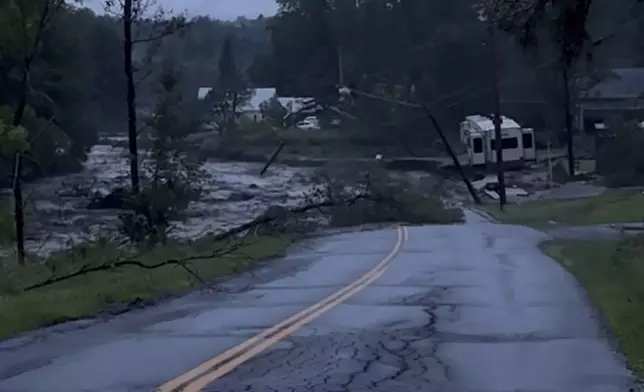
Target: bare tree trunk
[18,202]
[568,120]
[232,123]
[19,214]
[131,95]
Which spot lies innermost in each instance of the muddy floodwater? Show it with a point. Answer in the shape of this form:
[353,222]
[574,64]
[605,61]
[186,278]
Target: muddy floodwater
[235,193]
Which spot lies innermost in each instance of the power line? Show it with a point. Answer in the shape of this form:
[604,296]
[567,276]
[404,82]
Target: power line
[473,89]
[386,99]
[464,54]
[552,61]
[457,93]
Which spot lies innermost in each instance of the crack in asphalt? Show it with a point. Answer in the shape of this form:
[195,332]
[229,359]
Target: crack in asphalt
[481,311]
[384,358]
[380,359]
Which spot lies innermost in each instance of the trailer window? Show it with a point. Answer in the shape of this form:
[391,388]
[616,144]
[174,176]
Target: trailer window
[527,140]
[507,143]
[477,145]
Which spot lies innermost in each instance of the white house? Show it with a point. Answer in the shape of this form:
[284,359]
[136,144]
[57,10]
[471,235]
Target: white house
[202,93]
[252,109]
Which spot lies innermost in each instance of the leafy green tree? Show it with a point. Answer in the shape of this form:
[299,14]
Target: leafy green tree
[437,53]
[619,157]
[274,112]
[173,177]
[12,139]
[562,29]
[405,50]
[132,13]
[27,23]
[230,93]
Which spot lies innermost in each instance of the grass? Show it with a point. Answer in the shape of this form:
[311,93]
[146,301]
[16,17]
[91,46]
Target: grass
[612,273]
[607,208]
[106,292]
[257,141]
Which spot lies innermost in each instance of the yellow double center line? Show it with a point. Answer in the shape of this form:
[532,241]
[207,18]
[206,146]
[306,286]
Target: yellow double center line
[206,373]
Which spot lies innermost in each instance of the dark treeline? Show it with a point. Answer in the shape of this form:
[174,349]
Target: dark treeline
[432,51]
[77,82]
[437,52]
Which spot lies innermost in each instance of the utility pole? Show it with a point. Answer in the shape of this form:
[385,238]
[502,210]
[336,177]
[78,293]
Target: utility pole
[498,135]
[451,152]
[340,67]
[565,78]
[19,212]
[550,173]
[128,42]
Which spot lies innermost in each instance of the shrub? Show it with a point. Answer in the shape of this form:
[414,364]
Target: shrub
[619,157]
[172,177]
[388,199]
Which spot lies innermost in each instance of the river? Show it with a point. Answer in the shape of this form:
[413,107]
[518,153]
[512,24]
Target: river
[235,193]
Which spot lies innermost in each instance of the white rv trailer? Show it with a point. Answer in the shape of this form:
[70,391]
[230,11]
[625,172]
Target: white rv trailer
[477,134]
[529,145]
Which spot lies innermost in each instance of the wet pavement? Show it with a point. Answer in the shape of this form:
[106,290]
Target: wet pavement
[465,308]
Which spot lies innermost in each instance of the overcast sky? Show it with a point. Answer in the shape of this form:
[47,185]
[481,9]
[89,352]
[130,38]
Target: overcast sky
[220,9]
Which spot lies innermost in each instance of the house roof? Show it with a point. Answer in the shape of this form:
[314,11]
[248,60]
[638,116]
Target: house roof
[258,96]
[203,92]
[623,83]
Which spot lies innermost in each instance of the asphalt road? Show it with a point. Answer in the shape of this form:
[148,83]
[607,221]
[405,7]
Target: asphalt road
[468,308]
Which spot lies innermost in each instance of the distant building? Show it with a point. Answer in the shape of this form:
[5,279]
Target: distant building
[202,93]
[251,110]
[297,107]
[622,92]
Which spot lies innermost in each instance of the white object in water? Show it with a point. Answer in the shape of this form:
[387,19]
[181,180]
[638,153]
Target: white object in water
[379,157]
[344,90]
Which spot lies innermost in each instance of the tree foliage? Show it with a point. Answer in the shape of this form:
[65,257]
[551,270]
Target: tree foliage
[579,29]
[60,109]
[229,93]
[12,139]
[77,83]
[172,177]
[413,50]
[625,141]
[438,53]
[274,112]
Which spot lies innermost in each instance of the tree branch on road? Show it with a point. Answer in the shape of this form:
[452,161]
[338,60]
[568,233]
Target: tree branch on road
[226,249]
